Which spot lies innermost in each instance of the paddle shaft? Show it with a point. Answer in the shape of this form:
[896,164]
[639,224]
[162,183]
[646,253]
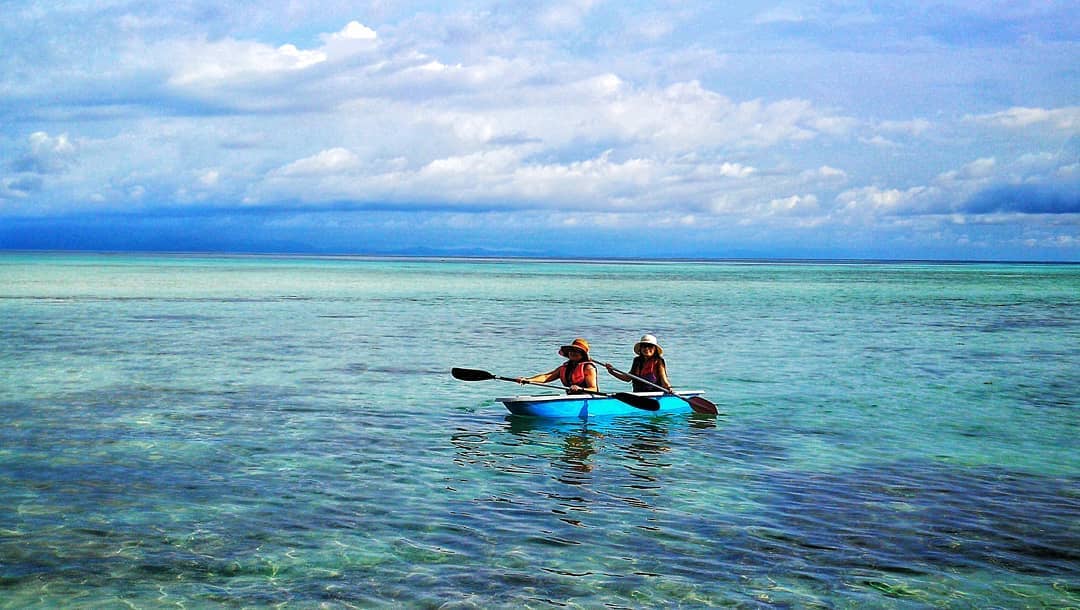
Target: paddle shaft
[556,387]
[642,380]
[640,402]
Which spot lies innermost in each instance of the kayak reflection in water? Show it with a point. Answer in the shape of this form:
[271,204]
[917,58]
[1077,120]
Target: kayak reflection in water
[578,373]
[648,365]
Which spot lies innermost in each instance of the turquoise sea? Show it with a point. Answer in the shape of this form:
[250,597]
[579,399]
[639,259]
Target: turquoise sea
[200,431]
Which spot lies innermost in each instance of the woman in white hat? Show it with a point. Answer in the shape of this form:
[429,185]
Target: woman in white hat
[578,373]
[649,365]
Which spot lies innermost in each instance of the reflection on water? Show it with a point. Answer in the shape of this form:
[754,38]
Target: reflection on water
[703,421]
[578,449]
[593,465]
[638,439]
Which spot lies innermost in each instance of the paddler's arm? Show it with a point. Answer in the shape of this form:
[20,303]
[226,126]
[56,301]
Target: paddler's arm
[541,378]
[616,374]
[661,375]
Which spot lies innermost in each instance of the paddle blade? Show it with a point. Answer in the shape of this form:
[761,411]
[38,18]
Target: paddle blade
[471,374]
[641,402]
[701,405]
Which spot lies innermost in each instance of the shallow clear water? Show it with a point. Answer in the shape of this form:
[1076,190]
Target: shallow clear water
[188,431]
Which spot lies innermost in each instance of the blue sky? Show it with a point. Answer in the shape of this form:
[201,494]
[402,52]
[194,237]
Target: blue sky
[895,129]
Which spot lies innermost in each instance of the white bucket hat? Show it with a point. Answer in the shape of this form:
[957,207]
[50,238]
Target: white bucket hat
[648,340]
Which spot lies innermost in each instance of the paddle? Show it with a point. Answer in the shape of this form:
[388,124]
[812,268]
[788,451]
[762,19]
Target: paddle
[697,403]
[641,402]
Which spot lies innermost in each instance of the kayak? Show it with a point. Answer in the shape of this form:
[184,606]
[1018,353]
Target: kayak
[585,406]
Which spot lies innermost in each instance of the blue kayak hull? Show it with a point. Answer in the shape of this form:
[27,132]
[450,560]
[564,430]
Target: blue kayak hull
[592,406]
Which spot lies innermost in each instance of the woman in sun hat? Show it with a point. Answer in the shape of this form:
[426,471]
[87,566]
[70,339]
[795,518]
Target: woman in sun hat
[578,373]
[649,365]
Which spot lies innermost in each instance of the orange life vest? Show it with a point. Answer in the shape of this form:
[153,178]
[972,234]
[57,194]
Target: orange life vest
[571,373]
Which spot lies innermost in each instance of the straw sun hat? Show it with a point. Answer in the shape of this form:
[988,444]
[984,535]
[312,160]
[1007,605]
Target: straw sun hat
[579,344]
[648,340]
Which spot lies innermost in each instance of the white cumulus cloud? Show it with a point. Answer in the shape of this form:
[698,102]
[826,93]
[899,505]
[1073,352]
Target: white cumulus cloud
[1067,119]
[45,154]
[735,170]
[331,161]
[353,31]
[206,63]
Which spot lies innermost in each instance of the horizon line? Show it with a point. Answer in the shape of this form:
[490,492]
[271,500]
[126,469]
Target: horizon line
[531,258]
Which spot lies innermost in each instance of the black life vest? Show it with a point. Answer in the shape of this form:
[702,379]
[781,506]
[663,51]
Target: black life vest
[649,370]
